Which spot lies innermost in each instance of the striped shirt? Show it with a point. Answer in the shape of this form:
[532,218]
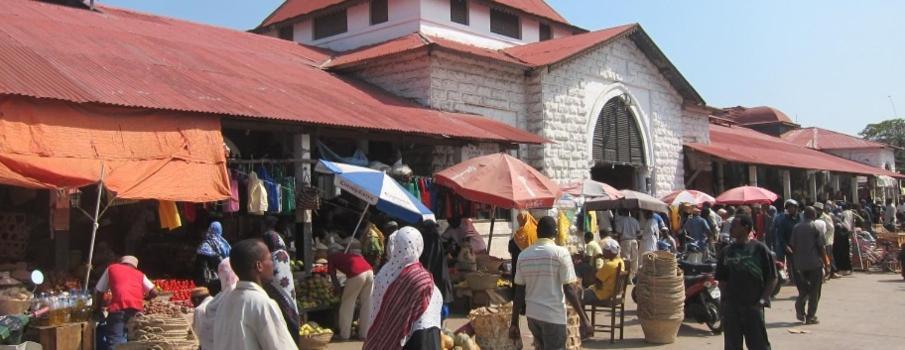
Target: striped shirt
[543,268]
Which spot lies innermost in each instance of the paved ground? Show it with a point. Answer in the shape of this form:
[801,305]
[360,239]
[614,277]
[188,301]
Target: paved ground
[862,311]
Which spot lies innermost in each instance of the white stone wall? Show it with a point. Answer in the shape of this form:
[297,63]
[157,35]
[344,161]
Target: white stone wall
[406,75]
[573,93]
[472,85]
[876,157]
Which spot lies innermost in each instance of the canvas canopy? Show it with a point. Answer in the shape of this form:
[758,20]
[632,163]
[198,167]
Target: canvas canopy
[145,154]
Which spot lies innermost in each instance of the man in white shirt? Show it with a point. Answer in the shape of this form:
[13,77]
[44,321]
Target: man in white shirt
[628,229]
[544,281]
[247,318]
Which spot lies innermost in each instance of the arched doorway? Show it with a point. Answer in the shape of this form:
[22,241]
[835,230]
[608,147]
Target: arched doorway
[618,146]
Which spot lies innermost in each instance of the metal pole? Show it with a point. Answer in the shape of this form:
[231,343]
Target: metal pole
[97,210]
[492,222]
[360,219]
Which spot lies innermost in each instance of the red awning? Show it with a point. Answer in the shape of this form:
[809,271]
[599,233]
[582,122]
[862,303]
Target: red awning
[145,154]
[744,145]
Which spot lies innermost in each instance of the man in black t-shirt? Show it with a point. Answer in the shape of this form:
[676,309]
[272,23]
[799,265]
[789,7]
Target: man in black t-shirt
[747,276]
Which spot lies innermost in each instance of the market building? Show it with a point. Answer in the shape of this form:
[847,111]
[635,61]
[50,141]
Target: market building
[614,107]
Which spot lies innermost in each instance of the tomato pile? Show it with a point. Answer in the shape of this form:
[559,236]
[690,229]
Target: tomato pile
[181,289]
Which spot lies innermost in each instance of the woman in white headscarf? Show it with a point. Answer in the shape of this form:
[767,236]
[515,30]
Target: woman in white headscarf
[206,313]
[406,302]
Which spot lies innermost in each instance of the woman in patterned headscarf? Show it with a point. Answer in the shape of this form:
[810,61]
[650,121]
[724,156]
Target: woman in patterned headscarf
[406,304]
[212,250]
[282,288]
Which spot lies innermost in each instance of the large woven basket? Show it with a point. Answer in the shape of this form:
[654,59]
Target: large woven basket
[482,281]
[13,307]
[487,263]
[658,263]
[315,342]
[660,331]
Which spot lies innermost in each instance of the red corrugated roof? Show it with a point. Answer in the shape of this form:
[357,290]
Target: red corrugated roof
[131,59]
[756,115]
[413,42]
[823,139]
[543,53]
[295,8]
[743,145]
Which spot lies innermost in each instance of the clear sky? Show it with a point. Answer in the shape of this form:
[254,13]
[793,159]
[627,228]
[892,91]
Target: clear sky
[831,64]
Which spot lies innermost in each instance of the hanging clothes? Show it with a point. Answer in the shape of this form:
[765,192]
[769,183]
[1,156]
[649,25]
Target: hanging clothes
[232,204]
[425,193]
[592,222]
[169,215]
[562,238]
[257,195]
[287,191]
[274,202]
[188,211]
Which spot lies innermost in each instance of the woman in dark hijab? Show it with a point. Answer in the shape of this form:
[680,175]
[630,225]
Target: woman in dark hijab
[434,259]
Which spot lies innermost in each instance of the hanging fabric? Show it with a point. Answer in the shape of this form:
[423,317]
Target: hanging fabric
[425,193]
[273,192]
[59,205]
[169,215]
[189,212]
[592,226]
[287,194]
[232,204]
[257,195]
[562,238]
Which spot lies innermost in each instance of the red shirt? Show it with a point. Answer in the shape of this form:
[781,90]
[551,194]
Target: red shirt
[350,265]
[128,286]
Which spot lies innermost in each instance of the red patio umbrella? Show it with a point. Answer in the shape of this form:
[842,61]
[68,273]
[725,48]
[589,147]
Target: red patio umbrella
[747,195]
[500,180]
[694,197]
[592,190]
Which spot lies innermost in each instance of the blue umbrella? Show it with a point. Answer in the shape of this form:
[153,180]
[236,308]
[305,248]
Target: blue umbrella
[377,189]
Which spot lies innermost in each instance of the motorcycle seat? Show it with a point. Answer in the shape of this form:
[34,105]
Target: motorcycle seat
[694,269]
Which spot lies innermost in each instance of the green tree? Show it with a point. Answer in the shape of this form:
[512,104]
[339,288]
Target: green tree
[890,132]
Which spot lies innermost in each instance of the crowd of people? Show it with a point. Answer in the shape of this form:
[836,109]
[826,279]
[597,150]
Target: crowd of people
[248,298]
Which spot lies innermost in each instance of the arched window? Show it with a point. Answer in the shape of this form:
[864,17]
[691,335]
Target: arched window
[617,139]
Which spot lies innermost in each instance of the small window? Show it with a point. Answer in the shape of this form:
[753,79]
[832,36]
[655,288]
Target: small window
[545,32]
[505,23]
[286,33]
[459,11]
[379,11]
[330,24]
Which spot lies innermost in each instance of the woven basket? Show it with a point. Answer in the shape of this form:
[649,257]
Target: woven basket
[491,322]
[13,307]
[315,342]
[487,263]
[658,263]
[660,331]
[481,281]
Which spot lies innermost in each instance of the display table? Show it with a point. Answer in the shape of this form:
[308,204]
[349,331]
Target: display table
[67,336]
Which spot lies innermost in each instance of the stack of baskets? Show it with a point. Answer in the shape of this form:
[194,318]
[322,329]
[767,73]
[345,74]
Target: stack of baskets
[159,332]
[491,327]
[573,330]
[661,297]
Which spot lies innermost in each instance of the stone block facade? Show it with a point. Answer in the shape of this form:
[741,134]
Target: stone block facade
[573,92]
[560,103]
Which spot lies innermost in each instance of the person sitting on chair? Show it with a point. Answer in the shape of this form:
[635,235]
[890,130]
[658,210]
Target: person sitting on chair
[605,285]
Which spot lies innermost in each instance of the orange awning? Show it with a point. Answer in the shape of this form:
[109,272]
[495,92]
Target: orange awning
[145,154]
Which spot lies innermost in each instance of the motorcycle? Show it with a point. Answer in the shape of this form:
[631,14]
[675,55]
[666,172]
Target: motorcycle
[702,294]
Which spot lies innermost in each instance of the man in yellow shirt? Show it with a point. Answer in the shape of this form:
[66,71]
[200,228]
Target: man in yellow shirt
[605,286]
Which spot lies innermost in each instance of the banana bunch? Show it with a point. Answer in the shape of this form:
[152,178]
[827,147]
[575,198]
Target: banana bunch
[503,283]
[312,328]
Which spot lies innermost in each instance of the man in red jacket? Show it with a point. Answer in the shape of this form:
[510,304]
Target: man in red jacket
[130,288]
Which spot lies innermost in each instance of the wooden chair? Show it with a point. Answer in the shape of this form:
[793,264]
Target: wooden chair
[615,305]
